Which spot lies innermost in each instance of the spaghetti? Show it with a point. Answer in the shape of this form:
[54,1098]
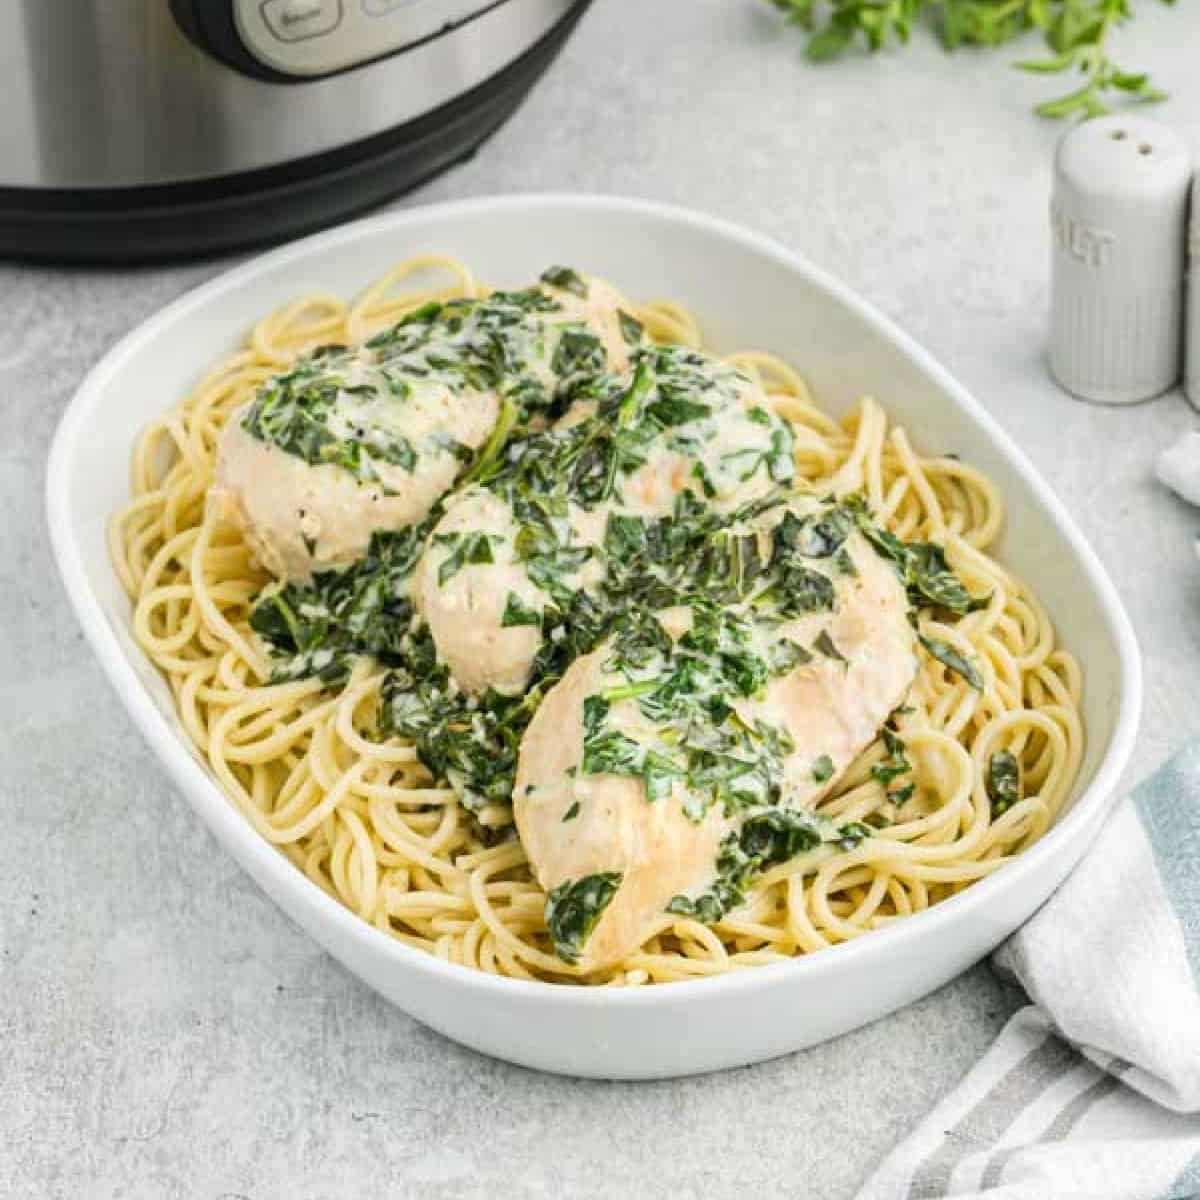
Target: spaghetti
[360,815]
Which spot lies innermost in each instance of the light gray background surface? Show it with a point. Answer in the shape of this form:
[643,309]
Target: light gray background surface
[165,1032]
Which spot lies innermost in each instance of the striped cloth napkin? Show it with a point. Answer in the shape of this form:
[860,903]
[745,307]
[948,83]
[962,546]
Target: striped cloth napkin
[1093,1090]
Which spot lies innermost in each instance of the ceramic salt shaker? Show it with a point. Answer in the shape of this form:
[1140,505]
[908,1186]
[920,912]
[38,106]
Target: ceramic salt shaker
[1119,221]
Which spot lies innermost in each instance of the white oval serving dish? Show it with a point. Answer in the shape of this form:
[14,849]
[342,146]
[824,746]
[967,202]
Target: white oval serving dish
[749,292]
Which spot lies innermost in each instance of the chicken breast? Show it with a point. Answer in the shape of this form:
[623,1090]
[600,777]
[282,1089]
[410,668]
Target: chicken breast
[833,708]
[729,459]
[483,610]
[575,826]
[720,439]
[352,441]
[728,452]
[299,517]
[854,666]
[599,312]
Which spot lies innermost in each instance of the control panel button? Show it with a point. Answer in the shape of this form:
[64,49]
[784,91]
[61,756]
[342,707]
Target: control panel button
[296,20]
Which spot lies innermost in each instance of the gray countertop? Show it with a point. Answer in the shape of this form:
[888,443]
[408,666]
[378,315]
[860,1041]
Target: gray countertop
[166,1032]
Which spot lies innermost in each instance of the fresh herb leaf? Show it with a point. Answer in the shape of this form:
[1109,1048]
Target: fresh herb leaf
[1076,33]
[822,769]
[571,812]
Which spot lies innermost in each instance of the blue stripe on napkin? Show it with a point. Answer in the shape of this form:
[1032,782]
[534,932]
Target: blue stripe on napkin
[1187,1186]
[1169,806]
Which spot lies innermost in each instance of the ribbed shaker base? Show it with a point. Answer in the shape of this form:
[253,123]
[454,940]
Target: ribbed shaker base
[1116,350]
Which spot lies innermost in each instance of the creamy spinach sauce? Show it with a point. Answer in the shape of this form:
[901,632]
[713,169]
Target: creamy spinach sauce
[358,407]
[739,572]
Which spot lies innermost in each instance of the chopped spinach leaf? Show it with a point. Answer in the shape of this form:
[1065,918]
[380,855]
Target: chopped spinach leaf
[819,535]
[844,563]
[677,410]
[700,473]
[825,645]
[895,763]
[774,460]
[632,330]
[934,579]
[854,834]
[952,660]
[466,549]
[494,446]
[319,628]
[469,742]
[785,655]
[574,907]
[517,612]
[608,752]
[1003,781]
[338,405]
[764,840]
[579,351]
[921,565]
[567,279]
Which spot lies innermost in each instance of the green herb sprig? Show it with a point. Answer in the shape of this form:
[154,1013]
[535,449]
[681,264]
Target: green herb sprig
[1076,33]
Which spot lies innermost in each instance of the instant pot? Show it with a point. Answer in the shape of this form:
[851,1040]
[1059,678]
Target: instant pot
[145,129]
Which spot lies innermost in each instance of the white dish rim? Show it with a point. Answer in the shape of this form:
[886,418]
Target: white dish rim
[237,835]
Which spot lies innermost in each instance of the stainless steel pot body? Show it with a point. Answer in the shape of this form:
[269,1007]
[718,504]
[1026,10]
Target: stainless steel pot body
[114,94]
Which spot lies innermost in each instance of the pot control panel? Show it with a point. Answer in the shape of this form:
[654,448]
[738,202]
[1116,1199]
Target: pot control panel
[317,37]
[291,41]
